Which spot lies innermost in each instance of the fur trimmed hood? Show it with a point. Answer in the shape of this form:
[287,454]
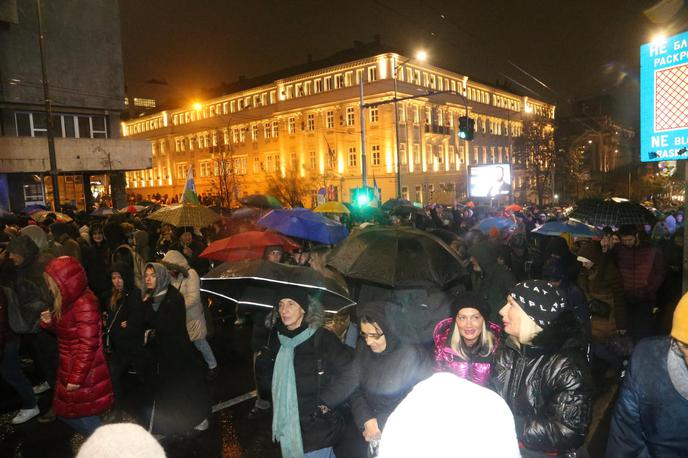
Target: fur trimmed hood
[315,316]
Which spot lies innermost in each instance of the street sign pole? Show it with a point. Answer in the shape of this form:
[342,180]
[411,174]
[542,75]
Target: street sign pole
[685,245]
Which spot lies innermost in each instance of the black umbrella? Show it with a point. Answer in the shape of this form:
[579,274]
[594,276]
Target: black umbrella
[393,203]
[446,236]
[254,283]
[610,212]
[397,257]
[261,201]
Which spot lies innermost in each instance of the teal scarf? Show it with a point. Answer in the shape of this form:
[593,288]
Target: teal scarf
[286,427]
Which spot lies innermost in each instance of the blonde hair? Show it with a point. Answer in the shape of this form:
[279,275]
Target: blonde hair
[485,345]
[57,295]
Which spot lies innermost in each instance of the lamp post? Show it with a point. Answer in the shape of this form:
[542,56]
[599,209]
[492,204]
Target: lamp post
[48,112]
[421,56]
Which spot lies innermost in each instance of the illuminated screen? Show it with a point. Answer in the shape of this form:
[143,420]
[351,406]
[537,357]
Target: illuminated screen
[489,180]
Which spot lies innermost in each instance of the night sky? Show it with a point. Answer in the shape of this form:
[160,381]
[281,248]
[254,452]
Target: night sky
[576,48]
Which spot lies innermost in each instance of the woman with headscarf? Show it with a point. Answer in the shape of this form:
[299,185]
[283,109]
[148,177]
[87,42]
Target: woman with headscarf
[123,330]
[299,362]
[383,372]
[180,396]
[465,343]
[83,389]
[541,371]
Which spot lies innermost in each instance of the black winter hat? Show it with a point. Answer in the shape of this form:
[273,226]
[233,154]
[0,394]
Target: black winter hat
[540,299]
[295,293]
[470,300]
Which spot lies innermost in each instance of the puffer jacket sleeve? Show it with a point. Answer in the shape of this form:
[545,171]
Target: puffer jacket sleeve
[563,424]
[345,384]
[87,323]
[625,433]
[501,364]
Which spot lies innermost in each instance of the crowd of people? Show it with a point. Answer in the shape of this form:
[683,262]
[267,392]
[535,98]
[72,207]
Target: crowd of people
[545,322]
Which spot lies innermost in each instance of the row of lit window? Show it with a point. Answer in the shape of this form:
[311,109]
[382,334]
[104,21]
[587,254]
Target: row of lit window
[335,81]
[64,125]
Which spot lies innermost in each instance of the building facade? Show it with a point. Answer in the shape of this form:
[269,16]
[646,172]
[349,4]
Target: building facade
[307,127]
[85,74]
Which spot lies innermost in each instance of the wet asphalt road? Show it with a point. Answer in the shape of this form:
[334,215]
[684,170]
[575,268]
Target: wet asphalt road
[230,434]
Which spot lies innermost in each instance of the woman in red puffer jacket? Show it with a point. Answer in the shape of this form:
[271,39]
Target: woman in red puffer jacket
[83,388]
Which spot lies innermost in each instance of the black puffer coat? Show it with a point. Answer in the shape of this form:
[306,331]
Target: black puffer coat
[317,362]
[548,387]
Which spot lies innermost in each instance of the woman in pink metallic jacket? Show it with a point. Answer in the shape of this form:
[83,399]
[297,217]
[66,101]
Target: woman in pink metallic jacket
[465,343]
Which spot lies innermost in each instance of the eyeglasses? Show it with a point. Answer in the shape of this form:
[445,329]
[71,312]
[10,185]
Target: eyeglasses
[364,336]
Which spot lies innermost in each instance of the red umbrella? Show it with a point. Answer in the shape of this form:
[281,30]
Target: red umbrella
[514,208]
[247,245]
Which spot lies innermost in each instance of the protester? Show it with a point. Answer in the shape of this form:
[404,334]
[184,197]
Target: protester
[541,371]
[465,343]
[445,416]
[383,372]
[553,272]
[490,278]
[123,331]
[652,410]
[191,248]
[96,260]
[166,240]
[174,374]
[25,278]
[642,269]
[10,370]
[186,280]
[300,361]
[259,338]
[122,251]
[83,390]
[64,240]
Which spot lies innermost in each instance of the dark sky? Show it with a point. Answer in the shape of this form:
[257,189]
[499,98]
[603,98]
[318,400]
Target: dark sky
[576,47]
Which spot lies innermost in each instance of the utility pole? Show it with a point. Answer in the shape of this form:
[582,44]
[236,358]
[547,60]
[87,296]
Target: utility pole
[48,112]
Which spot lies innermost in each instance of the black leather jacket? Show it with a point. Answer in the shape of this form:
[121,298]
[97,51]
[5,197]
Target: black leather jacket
[548,387]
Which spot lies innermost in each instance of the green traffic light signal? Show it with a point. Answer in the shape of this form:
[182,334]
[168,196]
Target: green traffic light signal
[362,197]
[466,128]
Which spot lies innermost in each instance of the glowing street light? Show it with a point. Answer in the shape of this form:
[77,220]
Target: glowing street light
[659,38]
[421,55]
[197,106]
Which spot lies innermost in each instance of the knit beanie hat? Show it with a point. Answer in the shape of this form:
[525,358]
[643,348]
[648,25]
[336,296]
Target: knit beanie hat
[121,440]
[540,300]
[679,327]
[295,293]
[472,301]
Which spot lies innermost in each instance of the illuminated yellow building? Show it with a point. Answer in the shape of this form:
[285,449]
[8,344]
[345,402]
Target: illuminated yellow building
[308,126]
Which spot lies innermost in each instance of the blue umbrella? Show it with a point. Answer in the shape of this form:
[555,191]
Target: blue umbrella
[34,208]
[304,224]
[497,222]
[574,228]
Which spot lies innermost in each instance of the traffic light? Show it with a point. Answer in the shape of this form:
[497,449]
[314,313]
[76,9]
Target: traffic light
[466,128]
[362,197]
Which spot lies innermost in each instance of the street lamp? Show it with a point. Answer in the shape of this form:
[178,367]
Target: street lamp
[421,56]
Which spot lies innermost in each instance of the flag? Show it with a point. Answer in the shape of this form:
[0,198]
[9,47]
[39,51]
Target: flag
[376,190]
[189,194]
